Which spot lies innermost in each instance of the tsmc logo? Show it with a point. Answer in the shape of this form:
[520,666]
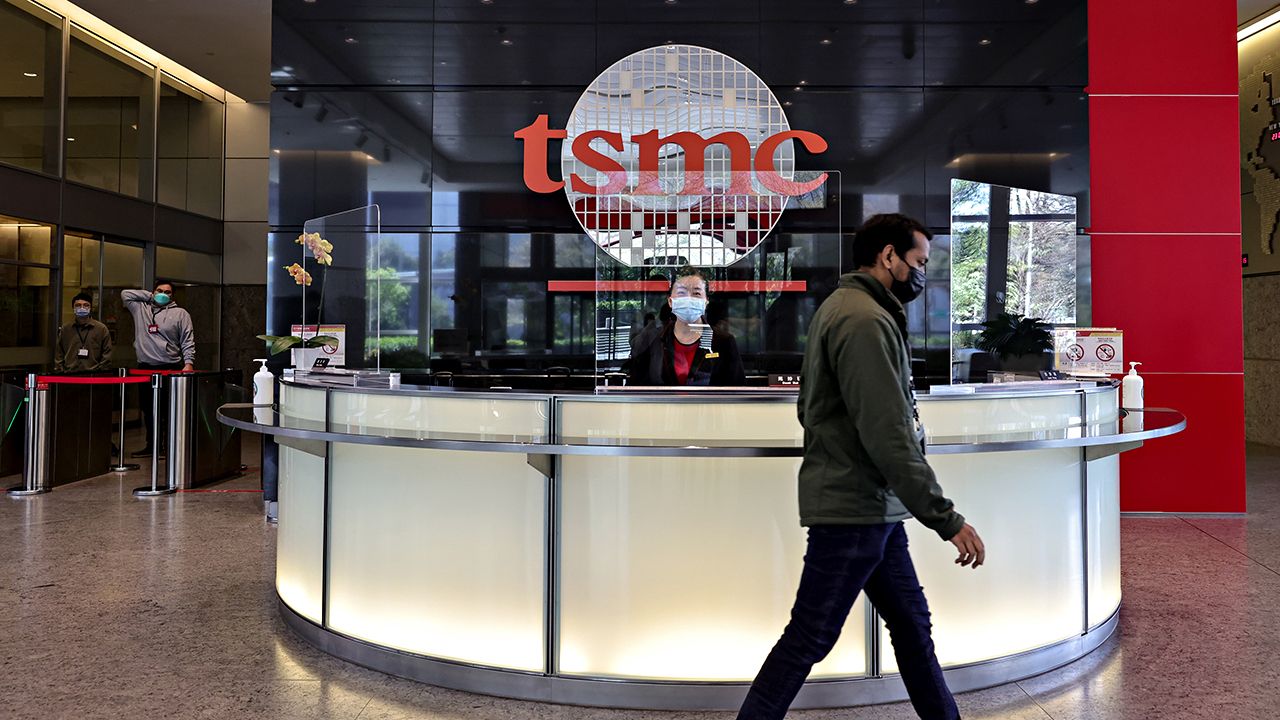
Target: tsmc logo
[675,154]
[649,146]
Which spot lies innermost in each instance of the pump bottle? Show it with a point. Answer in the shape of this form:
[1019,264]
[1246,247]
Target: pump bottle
[264,391]
[1131,388]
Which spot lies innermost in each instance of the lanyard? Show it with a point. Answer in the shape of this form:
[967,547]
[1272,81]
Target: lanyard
[84,336]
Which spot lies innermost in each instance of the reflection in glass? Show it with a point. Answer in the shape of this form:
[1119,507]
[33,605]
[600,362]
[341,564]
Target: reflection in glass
[109,117]
[32,42]
[26,309]
[189,149]
[1012,251]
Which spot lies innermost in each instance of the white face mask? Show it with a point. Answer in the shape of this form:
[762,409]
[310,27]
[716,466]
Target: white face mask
[689,309]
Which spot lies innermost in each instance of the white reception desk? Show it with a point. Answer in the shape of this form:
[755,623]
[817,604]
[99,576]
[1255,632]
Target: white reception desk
[642,550]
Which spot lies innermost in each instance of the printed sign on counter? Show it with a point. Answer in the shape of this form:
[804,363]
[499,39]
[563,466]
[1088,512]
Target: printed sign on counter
[305,357]
[1088,350]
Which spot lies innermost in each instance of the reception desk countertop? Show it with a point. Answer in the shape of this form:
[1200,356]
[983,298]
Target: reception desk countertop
[636,548]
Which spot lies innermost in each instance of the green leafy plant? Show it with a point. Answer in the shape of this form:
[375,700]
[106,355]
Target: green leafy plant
[1012,335]
[320,251]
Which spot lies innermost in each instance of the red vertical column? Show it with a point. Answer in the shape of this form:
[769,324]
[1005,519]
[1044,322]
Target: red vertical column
[1165,196]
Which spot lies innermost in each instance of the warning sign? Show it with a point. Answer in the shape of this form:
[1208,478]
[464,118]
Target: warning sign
[1089,350]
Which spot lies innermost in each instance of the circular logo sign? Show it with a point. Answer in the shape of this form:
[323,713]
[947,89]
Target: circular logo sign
[679,155]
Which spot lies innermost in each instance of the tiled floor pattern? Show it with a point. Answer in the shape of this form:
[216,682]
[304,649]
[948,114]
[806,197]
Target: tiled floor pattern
[114,607]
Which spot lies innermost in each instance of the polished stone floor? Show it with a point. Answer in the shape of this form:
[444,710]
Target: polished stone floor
[114,607]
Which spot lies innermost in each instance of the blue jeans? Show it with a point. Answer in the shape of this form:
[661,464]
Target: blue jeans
[841,561]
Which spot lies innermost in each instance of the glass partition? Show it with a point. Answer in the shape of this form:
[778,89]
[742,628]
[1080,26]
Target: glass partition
[26,292]
[340,275]
[1013,256]
[760,294]
[189,148]
[110,116]
[29,85]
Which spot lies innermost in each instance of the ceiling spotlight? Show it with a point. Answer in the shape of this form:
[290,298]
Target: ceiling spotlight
[364,138]
[133,126]
[426,177]
[502,32]
[672,2]
[824,41]
[850,2]
[797,88]
[486,2]
[350,41]
[1031,2]
[786,103]
[299,100]
[71,139]
[322,113]
[984,41]
[386,153]
[804,82]
[508,42]
[30,74]
[394,81]
[309,2]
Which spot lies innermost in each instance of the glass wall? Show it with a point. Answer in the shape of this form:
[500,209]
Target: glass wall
[196,279]
[189,148]
[110,101]
[26,291]
[30,72]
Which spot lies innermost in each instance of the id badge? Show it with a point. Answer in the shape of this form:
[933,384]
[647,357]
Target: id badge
[153,329]
[83,352]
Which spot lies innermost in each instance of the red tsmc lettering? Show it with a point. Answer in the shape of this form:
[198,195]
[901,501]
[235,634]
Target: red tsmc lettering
[649,146]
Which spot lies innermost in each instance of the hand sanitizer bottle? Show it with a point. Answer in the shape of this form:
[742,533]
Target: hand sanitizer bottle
[1131,389]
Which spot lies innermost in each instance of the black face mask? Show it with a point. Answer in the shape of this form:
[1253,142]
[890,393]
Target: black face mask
[911,288]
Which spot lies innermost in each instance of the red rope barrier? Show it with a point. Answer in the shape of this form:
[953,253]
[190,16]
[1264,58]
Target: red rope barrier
[82,380]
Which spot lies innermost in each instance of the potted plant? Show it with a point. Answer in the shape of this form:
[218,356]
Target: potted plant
[321,250]
[1020,342]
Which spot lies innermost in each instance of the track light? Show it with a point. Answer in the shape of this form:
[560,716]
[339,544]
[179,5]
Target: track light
[299,100]
[322,113]
[386,153]
[364,138]
[426,177]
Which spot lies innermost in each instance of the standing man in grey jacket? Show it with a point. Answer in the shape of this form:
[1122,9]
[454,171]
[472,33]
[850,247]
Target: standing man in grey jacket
[163,338]
[863,473]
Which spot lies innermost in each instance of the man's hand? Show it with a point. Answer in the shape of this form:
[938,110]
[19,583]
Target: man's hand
[972,551]
[189,368]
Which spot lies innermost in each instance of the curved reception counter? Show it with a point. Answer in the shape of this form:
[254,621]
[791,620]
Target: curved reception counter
[641,550]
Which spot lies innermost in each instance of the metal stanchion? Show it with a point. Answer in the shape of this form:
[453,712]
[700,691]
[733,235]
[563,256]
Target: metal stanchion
[155,489]
[36,465]
[121,465]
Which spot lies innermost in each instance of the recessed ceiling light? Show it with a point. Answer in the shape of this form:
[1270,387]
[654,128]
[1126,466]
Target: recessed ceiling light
[31,74]
[984,41]
[394,81]
[804,82]
[1031,2]
[824,41]
[309,2]
[351,41]
[71,139]
[850,2]
[672,2]
[486,2]
[797,88]
[133,126]
[507,41]
[786,103]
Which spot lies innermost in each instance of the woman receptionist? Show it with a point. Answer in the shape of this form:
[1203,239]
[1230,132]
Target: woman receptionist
[685,350]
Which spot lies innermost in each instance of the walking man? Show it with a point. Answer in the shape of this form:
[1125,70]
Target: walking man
[863,473]
[164,339]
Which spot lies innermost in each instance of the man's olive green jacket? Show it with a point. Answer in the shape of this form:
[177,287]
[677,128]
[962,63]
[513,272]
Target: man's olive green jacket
[863,452]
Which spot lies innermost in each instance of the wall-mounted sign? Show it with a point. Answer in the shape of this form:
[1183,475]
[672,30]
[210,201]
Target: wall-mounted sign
[674,155]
